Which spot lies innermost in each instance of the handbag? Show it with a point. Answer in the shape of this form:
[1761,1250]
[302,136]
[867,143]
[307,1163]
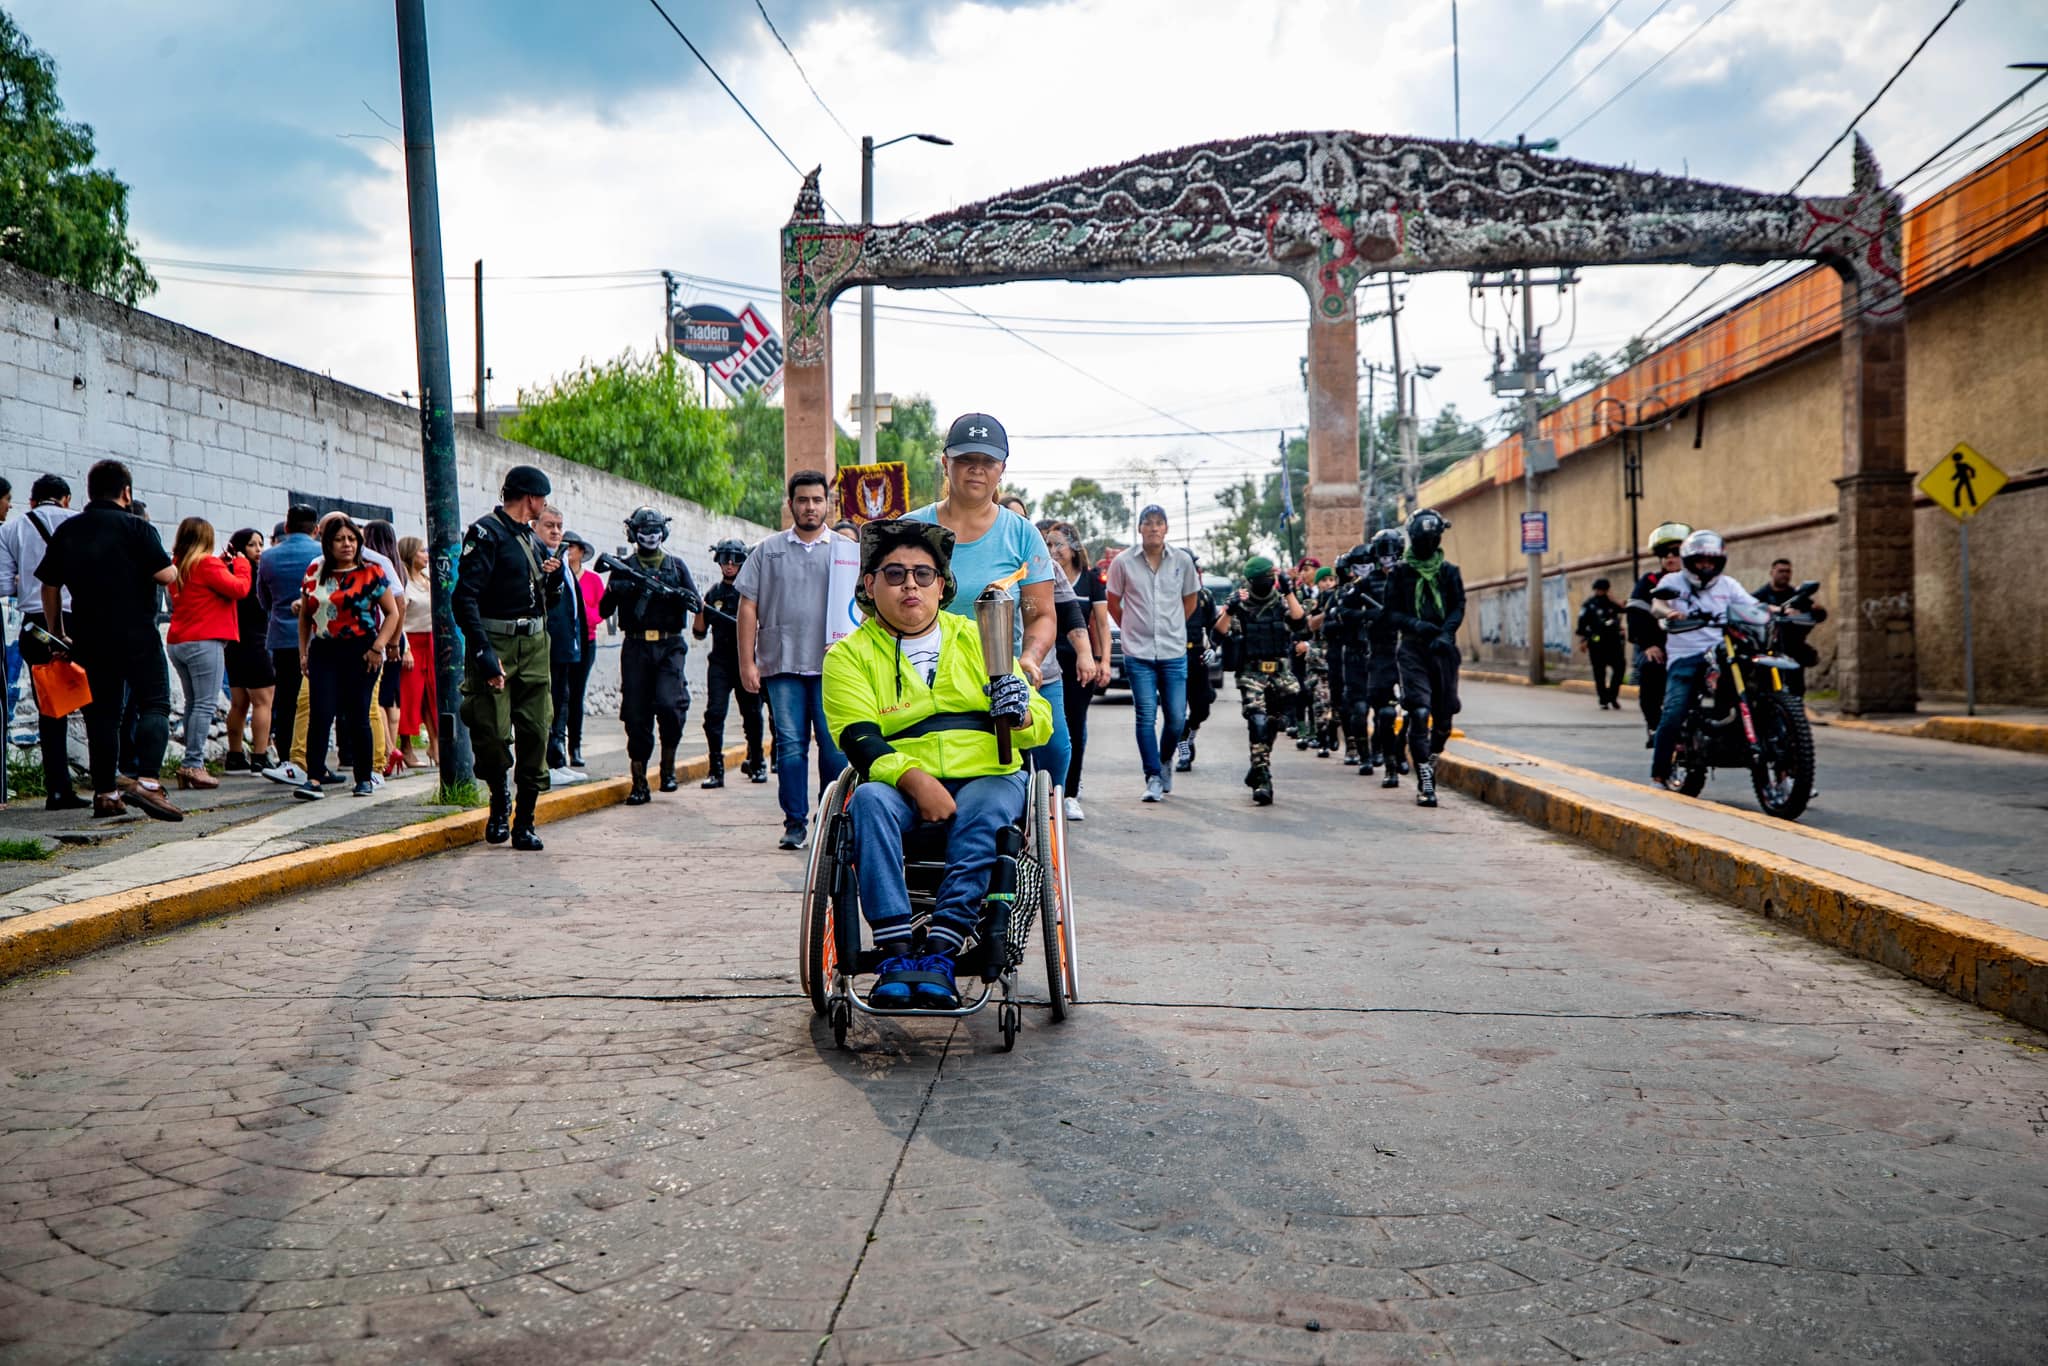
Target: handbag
[61,687]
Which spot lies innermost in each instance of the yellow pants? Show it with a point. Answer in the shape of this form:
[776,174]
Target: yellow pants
[380,743]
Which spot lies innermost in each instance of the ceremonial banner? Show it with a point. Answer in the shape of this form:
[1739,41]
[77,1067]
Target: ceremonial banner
[874,493]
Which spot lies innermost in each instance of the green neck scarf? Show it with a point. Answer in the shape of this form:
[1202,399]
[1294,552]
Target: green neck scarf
[1427,570]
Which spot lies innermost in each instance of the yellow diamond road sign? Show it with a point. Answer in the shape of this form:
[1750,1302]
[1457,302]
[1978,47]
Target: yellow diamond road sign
[1962,482]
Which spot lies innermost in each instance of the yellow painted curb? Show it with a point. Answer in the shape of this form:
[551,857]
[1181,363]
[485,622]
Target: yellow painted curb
[1970,959]
[2022,736]
[44,938]
[1518,680]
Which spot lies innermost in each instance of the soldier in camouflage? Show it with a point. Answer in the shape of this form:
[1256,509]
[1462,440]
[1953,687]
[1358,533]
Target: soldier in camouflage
[1272,626]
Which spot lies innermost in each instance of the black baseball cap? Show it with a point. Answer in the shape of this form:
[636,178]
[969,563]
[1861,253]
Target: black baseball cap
[978,434]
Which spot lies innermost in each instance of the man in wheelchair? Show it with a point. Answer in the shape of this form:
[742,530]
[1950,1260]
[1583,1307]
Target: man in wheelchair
[909,701]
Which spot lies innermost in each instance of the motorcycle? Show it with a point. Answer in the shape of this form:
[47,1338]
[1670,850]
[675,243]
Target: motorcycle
[1750,713]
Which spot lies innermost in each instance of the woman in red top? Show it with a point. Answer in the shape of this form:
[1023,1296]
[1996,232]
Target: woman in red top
[204,619]
[345,621]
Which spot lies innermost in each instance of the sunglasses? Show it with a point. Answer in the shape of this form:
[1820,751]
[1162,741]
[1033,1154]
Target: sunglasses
[923,575]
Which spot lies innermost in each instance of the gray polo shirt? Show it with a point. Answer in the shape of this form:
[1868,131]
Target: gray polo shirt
[789,582]
[1154,626]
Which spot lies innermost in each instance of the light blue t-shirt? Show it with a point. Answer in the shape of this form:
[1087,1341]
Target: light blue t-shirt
[1011,542]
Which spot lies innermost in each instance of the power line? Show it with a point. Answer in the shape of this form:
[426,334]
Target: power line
[1917,50]
[1626,40]
[723,86]
[1590,31]
[1653,66]
[1147,436]
[800,69]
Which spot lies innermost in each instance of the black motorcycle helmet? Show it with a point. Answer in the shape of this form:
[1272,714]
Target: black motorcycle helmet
[1426,532]
[1353,562]
[1387,546]
[732,548]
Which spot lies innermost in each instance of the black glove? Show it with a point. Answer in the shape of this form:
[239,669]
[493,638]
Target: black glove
[1009,699]
[1426,631]
[486,665]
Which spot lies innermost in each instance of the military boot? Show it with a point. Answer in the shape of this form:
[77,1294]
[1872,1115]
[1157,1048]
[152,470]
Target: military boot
[1425,783]
[668,770]
[639,796]
[1260,781]
[1393,778]
[498,826]
[522,823]
[715,775]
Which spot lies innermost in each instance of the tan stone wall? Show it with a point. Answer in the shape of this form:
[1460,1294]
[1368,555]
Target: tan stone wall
[1770,450]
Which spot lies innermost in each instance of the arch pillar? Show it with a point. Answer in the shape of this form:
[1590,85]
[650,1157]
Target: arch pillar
[1876,660]
[1334,505]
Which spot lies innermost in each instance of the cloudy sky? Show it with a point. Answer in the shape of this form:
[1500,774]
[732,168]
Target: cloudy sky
[582,140]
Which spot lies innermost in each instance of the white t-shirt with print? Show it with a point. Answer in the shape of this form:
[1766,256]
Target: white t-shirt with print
[1713,600]
[922,652]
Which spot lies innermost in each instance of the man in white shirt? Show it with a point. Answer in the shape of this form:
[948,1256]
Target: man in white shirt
[1152,590]
[22,543]
[1699,588]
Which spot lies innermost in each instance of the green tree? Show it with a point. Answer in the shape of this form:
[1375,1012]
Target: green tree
[1241,534]
[639,418]
[58,216]
[1096,512]
[756,440]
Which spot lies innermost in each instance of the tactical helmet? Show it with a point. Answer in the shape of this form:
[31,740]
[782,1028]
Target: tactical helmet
[877,539]
[1671,534]
[1426,532]
[1387,544]
[731,548]
[1707,548]
[646,519]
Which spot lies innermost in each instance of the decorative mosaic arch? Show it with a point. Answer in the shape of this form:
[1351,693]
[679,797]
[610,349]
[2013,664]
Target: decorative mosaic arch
[1327,208]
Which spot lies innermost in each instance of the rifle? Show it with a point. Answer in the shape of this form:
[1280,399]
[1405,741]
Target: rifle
[646,583]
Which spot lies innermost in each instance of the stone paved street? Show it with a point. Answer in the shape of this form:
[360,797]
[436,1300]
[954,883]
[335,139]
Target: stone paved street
[1356,1082]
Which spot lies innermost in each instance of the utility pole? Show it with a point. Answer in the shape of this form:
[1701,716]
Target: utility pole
[1186,472]
[430,318]
[668,310]
[1528,380]
[1368,490]
[1532,414]
[479,345]
[868,148]
[1404,420]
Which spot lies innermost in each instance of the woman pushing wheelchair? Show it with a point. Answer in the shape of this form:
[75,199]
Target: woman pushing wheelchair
[910,703]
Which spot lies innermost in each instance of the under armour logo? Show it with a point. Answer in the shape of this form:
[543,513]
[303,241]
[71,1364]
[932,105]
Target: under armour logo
[977,431]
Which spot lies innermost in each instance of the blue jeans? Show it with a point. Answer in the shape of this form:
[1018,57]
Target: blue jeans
[798,701]
[1681,685]
[1154,680]
[882,816]
[1055,754]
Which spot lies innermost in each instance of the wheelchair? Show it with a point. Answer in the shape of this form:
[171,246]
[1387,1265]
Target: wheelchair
[1029,885]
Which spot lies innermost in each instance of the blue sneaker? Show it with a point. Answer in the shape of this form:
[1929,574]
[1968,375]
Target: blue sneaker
[891,994]
[936,995]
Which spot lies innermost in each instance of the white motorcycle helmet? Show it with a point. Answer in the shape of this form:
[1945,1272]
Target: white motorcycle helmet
[1703,556]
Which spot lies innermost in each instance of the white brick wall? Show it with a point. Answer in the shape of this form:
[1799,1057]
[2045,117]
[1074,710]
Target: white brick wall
[212,430]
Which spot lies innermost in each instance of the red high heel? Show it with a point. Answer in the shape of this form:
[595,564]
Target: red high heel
[394,764]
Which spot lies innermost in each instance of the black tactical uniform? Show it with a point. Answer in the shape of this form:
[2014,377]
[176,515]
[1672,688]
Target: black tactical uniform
[1600,627]
[1372,658]
[1426,601]
[653,596]
[720,619]
[501,606]
[1201,687]
[1266,686]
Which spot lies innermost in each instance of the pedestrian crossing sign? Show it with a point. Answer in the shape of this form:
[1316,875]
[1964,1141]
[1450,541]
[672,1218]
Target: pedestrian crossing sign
[1962,482]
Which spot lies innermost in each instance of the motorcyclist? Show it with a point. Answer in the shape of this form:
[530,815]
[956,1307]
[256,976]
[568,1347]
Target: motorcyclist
[1645,632]
[1792,637]
[1426,600]
[1700,587]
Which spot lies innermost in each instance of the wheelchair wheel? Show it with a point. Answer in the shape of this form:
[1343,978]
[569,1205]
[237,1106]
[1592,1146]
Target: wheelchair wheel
[817,944]
[1046,809]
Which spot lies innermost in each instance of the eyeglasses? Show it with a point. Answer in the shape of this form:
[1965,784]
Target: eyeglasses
[923,575]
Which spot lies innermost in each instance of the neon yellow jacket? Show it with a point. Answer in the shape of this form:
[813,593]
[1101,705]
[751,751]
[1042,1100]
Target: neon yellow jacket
[887,721]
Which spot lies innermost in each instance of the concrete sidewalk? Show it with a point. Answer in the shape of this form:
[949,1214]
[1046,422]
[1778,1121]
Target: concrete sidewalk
[242,821]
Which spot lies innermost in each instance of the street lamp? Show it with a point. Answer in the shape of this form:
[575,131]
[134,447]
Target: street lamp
[868,148]
[1411,453]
